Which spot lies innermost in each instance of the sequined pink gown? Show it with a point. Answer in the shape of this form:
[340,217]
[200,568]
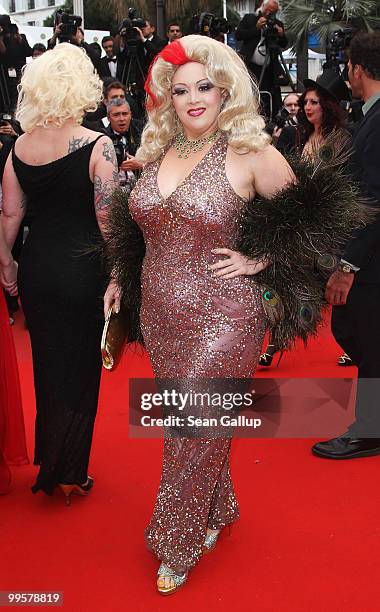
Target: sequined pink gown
[194,326]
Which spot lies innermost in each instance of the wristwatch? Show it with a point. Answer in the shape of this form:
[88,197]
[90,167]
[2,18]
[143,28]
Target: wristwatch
[346,268]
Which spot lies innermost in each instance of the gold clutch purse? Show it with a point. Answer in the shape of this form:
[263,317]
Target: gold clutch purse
[114,338]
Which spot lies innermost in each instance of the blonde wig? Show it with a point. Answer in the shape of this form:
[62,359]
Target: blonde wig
[59,85]
[239,118]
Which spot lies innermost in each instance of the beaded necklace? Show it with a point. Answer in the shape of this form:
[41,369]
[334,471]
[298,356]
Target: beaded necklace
[185,147]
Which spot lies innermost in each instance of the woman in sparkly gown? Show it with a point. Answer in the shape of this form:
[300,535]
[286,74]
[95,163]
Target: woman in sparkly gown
[205,153]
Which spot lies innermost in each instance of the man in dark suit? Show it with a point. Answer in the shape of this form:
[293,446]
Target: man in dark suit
[124,129]
[125,133]
[153,44]
[259,46]
[354,289]
[136,58]
[109,66]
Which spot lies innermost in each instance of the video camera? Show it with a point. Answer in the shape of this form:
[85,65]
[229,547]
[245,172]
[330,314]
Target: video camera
[338,41]
[284,119]
[207,24]
[5,119]
[69,24]
[120,148]
[5,24]
[126,28]
[269,29]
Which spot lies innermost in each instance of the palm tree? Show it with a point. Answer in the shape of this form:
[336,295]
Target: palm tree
[321,17]
[148,8]
[164,10]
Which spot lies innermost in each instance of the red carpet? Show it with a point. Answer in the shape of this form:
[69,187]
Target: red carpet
[308,538]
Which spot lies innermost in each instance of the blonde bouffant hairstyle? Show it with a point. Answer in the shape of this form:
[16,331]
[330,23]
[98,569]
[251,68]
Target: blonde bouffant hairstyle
[59,85]
[239,117]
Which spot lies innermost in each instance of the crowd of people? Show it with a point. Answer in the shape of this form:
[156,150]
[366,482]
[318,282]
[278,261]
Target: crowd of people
[184,171]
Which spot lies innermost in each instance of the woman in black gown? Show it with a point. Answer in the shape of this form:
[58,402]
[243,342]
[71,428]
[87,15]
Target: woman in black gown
[63,174]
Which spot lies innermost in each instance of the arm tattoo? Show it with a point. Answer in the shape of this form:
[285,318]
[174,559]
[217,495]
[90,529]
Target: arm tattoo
[24,201]
[78,143]
[103,191]
[109,152]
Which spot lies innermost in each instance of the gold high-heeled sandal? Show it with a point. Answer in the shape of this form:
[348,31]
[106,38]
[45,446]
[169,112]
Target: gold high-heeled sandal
[70,489]
[210,541]
[212,538]
[179,580]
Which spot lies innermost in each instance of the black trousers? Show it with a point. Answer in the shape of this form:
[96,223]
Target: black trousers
[356,328]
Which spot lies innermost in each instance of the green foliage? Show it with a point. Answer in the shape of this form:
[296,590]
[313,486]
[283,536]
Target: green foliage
[182,10]
[98,15]
[107,14]
[323,16]
[67,6]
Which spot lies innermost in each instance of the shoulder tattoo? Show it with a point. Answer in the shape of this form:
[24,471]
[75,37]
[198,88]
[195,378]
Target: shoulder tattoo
[78,143]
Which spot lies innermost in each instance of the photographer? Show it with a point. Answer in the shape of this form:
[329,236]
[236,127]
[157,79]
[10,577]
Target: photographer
[153,44]
[263,36]
[287,116]
[14,49]
[136,46]
[125,134]
[67,29]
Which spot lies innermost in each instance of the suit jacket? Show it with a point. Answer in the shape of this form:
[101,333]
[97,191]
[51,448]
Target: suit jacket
[251,36]
[363,250]
[154,46]
[133,134]
[104,70]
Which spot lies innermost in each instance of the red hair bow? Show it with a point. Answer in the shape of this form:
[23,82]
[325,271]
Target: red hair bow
[174,54]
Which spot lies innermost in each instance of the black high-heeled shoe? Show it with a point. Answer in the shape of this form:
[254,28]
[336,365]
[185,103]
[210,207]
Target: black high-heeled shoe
[76,489]
[267,357]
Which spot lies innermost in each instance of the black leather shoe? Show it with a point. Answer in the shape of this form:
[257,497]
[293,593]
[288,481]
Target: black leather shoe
[347,448]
